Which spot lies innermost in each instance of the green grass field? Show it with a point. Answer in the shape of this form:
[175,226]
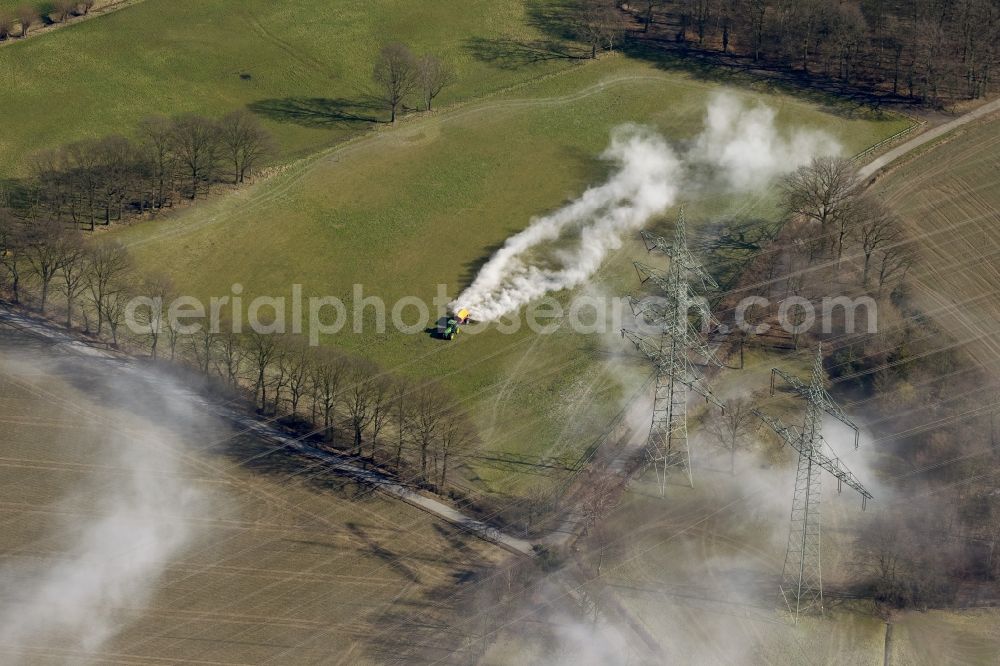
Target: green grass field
[309,64]
[421,204]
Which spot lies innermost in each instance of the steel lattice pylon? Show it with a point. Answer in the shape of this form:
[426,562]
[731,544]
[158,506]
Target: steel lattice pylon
[801,575]
[670,349]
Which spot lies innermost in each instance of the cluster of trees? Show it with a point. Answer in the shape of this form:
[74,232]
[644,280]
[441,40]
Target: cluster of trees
[943,543]
[399,74]
[919,556]
[836,233]
[922,552]
[45,257]
[407,426]
[599,23]
[27,16]
[837,219]
[931,50]
[98,180]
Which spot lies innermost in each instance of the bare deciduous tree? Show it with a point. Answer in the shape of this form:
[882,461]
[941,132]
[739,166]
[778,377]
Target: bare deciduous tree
[395,75]
[231,353]
[156,146]
[878,229]
[732,428]
[358,399]
[821,190]
[55,191]
[648,7]
[115,305]
[382,392]
[429,407]
[245,142]
[202,345]
[62,9]
[906,564]
[109,262]
[894,262]
[433,74]
[296,359]
[44,249]
[158,288]
[755,12]
[12,257]
[261,349]
[84,173]
[115,157]
[457,435]
[846,223]
[329,369]
[75,265]
[401,399]
[195,142]
[27,16]
[600,25]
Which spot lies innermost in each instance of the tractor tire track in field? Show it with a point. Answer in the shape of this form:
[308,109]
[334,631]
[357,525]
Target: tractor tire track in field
[303,59]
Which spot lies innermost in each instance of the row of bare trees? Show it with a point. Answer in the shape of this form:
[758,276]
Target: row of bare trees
[94,278]
[932,50]
[415,428]
[399,74]
[99,180]
[27,16]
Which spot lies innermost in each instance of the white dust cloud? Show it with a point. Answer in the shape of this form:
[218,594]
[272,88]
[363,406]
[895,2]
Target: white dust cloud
[747,150]
[740,146]
[114,560]
[531,263]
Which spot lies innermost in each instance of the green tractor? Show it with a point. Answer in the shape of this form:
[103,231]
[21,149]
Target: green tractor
[455,323]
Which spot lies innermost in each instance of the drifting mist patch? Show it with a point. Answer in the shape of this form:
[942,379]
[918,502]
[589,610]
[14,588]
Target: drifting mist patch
[740,149]
[116,554]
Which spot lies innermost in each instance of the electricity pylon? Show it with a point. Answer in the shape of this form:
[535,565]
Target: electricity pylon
[801,575]
[670,349]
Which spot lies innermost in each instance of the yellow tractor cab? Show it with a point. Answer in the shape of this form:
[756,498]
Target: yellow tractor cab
[455,323]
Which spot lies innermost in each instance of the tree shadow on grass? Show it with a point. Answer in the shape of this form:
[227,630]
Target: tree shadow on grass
[559,22]
[556,19]
[378,550]
[514,54]
[831,94]
[320,112]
